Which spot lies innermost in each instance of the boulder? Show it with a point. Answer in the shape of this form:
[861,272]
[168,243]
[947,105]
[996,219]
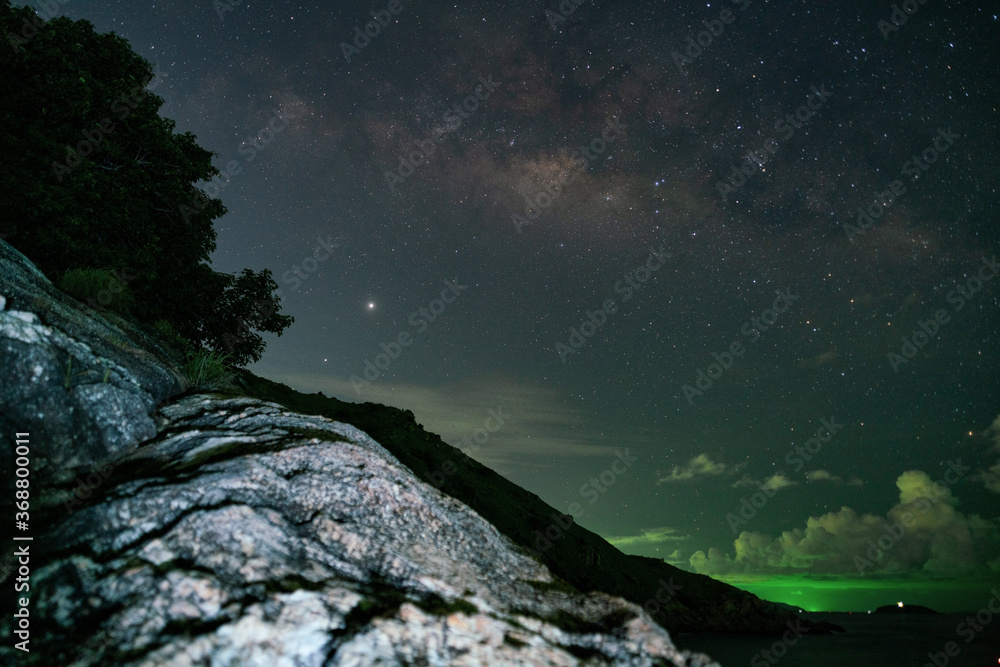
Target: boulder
[180,529]
[247,534]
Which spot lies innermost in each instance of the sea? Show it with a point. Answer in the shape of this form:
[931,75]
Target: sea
[879,640]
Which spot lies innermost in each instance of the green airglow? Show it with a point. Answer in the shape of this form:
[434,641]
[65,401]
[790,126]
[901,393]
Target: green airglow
[832,593]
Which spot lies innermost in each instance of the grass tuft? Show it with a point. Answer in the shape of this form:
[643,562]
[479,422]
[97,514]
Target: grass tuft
[98,288]
[209,371]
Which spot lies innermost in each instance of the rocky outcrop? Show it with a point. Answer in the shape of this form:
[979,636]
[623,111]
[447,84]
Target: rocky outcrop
[679,601]
[84,386]
[200,529]
[246,534]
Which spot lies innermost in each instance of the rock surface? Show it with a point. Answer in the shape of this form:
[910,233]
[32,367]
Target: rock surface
[85,387]
[245,534]
[224,531]
[680,601]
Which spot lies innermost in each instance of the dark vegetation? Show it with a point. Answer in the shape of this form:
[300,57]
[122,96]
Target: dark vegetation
[98,190]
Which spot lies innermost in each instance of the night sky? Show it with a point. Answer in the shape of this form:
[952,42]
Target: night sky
[648,259]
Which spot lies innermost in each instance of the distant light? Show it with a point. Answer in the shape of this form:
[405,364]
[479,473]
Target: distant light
[899,604]
[371,305]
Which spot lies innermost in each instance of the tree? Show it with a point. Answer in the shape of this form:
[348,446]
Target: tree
[102,181]
[243,304]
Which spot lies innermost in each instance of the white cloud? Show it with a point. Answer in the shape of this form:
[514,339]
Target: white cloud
[922,532]
[699,465]
[653,536]
[676,558]
[991,476]
[994,432]
[775,482]
[827,476]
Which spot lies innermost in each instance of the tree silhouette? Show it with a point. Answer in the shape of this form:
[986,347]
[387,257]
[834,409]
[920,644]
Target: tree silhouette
[93,177]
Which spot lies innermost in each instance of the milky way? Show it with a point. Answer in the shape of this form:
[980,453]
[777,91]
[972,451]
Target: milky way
[539,156]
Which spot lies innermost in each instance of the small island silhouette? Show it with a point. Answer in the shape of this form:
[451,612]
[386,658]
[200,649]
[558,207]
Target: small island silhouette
[900,608]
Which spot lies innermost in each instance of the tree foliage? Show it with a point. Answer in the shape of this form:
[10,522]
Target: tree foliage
[93,177]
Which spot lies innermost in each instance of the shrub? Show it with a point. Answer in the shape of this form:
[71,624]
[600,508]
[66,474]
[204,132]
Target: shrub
[168,335]
[98,288]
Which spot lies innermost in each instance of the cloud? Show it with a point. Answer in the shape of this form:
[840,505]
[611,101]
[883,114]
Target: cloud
[923,532]
[991,476]
[676,558]
[819,360]
[827,476]
[456,410]
[699,465]
[653,536]
[775,482]
[993,432]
